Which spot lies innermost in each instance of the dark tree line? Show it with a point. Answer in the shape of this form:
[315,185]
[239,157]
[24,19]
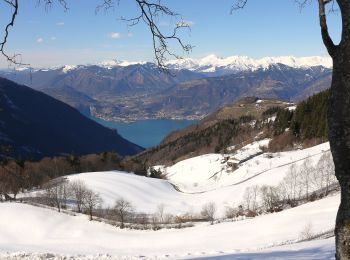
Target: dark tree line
[308,121]
[17,175]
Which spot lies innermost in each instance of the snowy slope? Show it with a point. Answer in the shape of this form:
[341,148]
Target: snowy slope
[144,193]
[45,230]
[200,179]
[209,172]
[205,178]
[319,249]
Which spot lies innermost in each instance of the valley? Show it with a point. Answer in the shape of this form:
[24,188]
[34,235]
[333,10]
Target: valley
[192,89]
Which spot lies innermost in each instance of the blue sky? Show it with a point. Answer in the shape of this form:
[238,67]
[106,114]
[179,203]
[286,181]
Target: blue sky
[79,36]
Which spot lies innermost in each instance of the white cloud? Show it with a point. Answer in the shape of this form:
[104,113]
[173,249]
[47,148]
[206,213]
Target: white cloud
[114,35]
[53,38]
[39,40]
[60,23]
[130,34]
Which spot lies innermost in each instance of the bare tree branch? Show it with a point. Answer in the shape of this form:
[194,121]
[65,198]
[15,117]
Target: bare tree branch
[149,12]
[238,4]
[106,5]
[15,59]
[48,4]
[12,59]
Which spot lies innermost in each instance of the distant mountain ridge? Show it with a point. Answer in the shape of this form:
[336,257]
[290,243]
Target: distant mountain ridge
[209,64]
[35,125]
[127,91]
[203,96]
[214,65]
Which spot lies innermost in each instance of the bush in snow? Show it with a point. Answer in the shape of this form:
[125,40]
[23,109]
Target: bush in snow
[306,233]
[153,173]
[231,212]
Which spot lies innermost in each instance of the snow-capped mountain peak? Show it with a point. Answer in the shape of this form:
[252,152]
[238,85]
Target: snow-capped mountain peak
[122,63]
[212,63]
[67,68]
[215,65]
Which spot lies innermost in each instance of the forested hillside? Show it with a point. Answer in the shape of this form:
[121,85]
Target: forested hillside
[34,125]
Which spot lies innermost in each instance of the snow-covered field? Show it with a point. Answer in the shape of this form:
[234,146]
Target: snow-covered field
[319,249]
[198,180]
[208,172]
[31,229]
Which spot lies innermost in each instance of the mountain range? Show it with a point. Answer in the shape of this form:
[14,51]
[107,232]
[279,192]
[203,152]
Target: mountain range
[216,66]
[126,91]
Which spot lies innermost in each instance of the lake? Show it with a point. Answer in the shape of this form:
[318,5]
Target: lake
[146,133]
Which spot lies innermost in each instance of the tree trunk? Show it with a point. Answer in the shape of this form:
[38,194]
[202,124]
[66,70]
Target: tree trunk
[339,137]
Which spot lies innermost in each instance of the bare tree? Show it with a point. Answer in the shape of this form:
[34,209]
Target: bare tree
[325,169]
[4,187]
[79,191]
[247,196]
[91,201]
[270,198]
[323,176]
[306,171]
[291,185]
[250,198]
[13,178]
[160,212]
[319,175]
[123,209]
[209,211]
[329,172]
[56,193]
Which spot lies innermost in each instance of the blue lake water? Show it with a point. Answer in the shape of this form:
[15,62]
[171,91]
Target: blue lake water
[146,133]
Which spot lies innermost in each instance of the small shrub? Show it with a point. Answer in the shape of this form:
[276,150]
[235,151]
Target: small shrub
[306,233]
